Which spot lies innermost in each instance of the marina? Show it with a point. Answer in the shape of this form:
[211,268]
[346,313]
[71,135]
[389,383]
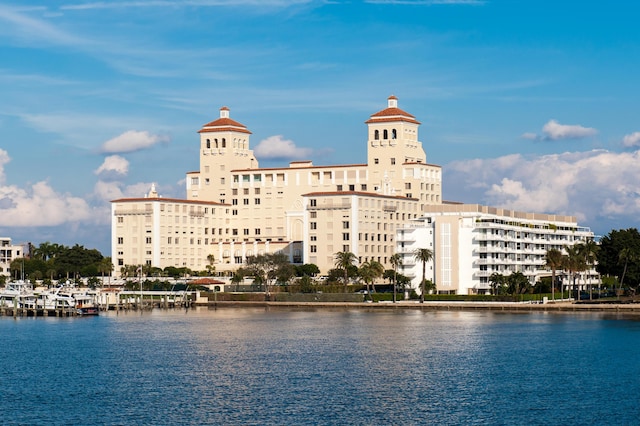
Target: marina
[19,299]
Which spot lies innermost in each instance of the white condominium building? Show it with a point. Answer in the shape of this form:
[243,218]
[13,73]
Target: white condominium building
[470,242]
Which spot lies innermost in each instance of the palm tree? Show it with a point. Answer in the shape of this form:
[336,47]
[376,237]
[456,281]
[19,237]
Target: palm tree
[396,261]
[626,255]
[574,262]
[553,261]
[369,271]
[423,255]
[210,261]
[344,260]
[589,250]
[106,266]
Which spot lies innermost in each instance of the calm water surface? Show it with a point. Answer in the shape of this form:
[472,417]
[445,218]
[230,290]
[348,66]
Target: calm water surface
[321,367]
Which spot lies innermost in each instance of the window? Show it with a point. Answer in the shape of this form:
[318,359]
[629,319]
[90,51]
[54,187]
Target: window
[352,187]
[394,134]
[246,231]
[234,191]
[148,240]
[194,181]
[313,202]
[376,161]
[234,212]
[408,195]
[393,161]
[234,232]
[313,248]
[339,187]
[120,219]
[257,231]
[314,238]
[222,181]
[345,248]
[257,191]
[208,143]
[345,236]
[314,225]
[376,135]
[345,224]
[407,185]
[313,215]
[385,134]
[245,201]
[120,240]
[256,201]
[245,191]
[363,187]
[234,201]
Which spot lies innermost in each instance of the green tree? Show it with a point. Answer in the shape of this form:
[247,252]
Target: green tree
[608,258]
[589,250]
[517,283]
[396,261]
[498,283]
[553,260]
[344,260]
[308,269]
[627,255]
[423,255]
[267,268]
[574,263]
[210,264]
[369,271]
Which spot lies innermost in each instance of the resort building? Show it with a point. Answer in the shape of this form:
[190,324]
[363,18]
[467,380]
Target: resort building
[8,253]
[470,242]
[234,208]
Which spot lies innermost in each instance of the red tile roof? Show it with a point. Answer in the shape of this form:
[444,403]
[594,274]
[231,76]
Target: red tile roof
[224,124]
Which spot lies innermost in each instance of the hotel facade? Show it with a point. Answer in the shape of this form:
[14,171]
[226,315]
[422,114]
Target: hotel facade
[390,204]
[236,209]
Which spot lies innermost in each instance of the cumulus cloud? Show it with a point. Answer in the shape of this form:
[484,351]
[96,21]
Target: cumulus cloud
[131,141]
[631,140]
[276,147]
[113,165]
[554,131]
[593,186]
[40,205]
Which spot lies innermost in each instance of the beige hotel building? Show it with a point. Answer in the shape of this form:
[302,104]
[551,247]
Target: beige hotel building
[234,208]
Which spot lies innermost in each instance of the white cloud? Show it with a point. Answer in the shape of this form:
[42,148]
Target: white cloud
[631,140]
[554,131]
[4,159]
[40,205]
[591,185]
[276,147]
[530,136]
[131,141]
[113,165]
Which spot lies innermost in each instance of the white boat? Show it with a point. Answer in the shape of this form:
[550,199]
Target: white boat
[18,294]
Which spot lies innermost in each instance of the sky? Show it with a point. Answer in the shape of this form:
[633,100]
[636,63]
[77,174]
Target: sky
[527,105]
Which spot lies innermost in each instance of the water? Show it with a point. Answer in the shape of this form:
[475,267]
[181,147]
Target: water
[321,367]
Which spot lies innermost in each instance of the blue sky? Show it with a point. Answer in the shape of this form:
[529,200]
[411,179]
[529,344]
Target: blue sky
[529,105]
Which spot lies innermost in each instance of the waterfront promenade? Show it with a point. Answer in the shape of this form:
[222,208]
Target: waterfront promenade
[631,308]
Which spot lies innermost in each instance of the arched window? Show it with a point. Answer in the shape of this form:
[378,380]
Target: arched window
[393,134]
[376,135]
[208,143]
[224,143]
[385,134]
[216,142]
